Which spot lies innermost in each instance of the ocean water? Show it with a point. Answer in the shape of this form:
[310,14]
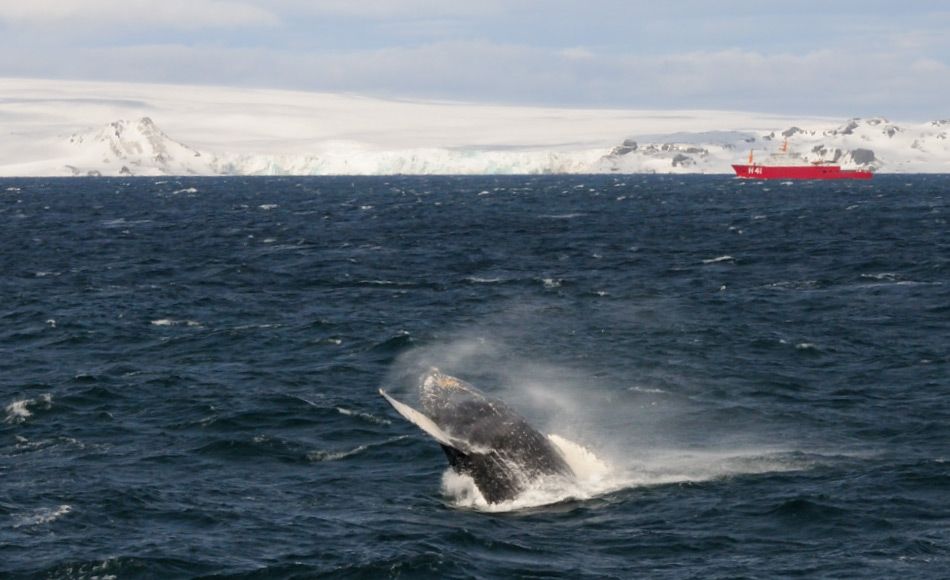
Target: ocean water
[755,376]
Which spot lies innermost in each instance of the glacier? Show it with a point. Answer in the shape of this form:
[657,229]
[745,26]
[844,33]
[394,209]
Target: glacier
[73,128]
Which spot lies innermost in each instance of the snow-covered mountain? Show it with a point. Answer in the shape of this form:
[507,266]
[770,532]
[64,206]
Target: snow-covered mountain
[63,128]
[133,148]
[140,148]
[875,144]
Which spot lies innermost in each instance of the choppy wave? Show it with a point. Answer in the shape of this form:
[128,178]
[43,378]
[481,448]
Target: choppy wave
[21,410]
[369,417]
[561,216]
[718,259]
[174,322]
[327,455]
[25,445]
[42,516]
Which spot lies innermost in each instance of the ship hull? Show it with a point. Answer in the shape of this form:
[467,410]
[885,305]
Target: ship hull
[798,172]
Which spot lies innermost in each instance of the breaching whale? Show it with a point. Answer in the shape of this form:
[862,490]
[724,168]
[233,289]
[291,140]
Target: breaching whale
[482,437]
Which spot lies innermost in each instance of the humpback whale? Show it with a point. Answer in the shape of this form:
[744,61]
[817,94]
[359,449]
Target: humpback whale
[482,437]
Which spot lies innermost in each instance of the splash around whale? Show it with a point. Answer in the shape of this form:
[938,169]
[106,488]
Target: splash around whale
[486,441]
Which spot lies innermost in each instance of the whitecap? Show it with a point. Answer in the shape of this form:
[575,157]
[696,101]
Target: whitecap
[889,276]
[552,282]
[185,190]
[718,259]
[327,455]
[309,402]
[795,284]
[364,416]
[333,455]
[173,322]
[24,445]
[43,516]
[268,206]
[646,390]
[19,411]
[480,280]
[560,216]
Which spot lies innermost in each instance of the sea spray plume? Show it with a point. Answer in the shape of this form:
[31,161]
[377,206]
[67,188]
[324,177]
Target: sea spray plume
[468,355]
[482,437]
[645,428]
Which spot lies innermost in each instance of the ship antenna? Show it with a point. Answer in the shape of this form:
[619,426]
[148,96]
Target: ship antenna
[785,146]
[750,156]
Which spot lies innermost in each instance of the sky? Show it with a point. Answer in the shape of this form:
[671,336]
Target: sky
[831,58]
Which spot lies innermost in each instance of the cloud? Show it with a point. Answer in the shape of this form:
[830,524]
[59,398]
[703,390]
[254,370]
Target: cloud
[557,52]
[414,9]
[577,53]
[179,14]
[826,82]
[822,81]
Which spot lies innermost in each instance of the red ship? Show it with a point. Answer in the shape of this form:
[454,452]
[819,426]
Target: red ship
[780,168]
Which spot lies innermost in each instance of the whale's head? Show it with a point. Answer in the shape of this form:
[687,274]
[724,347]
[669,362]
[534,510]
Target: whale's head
[442,394]
[464,412]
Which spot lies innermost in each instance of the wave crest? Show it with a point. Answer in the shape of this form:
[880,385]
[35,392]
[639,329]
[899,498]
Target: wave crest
[21,410]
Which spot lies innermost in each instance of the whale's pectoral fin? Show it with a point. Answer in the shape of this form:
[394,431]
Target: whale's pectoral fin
[426,424]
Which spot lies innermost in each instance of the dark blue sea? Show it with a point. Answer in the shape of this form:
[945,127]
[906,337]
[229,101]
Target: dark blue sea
[189,375]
